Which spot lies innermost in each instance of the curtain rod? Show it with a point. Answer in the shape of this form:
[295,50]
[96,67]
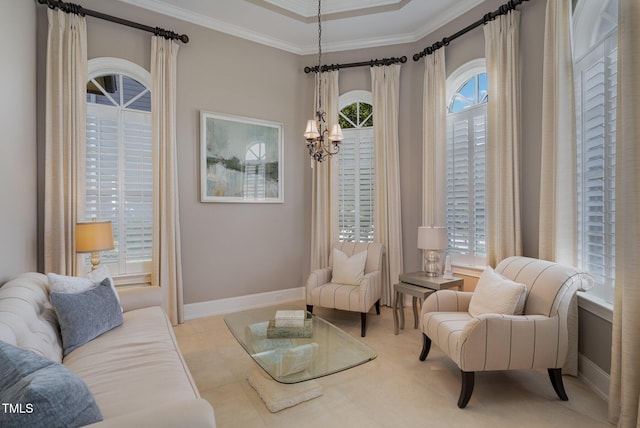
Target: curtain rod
[79,10]
[502,10]
[370,63]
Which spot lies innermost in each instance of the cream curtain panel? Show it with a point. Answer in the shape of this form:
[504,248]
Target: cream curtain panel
[434,142]
[558,205]
[624,393]
[387,213]
[502,52]
[167,264]
[65,138]
[324,186]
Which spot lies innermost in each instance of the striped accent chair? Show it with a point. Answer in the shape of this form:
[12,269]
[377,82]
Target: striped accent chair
[356,298]
[537,339]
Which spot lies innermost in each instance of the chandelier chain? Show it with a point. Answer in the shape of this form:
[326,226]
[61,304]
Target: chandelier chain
[322,141]
[319,56]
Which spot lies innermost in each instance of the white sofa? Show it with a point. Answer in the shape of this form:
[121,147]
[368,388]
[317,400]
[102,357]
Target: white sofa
[135,371]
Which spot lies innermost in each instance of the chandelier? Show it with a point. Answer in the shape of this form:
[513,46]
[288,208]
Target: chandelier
[320,142]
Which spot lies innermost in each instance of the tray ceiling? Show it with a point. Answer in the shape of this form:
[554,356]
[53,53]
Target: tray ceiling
[291,25]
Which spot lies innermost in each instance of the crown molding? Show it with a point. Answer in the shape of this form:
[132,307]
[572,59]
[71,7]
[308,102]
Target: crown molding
[454,11]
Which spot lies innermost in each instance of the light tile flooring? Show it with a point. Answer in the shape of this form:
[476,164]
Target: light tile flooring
[394,390]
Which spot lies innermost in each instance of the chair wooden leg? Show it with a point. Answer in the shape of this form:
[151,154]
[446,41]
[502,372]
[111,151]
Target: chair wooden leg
[363,317]
[556,380]
[426,346]
[378,307]
[467,388]
[310,308]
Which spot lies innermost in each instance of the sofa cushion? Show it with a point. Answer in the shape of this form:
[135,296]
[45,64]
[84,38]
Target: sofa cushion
[77,284]
[86,315]
[495,294]
[135,366]
[44,393]
[348,270]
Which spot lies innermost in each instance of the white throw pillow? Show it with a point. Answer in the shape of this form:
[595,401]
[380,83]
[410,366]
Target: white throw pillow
[495,294]
[77,284]
[348,270]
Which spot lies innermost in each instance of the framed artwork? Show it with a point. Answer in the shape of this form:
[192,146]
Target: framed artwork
[240,159]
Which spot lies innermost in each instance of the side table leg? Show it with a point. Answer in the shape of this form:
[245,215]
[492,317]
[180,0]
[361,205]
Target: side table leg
[401,308]
[415,312]
[395,314]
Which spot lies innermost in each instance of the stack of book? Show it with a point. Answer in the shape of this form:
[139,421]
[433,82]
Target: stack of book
[290,323]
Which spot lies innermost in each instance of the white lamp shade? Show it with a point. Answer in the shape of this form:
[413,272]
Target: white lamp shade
[336,133]
[432,238]
[311,131]
[94,236]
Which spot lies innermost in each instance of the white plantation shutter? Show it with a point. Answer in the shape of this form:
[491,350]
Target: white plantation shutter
[102,169]
[466,160]
[119,173]
[596,86]
[367,178]
[347,189]
[356,168]
[137,190]
[356,186]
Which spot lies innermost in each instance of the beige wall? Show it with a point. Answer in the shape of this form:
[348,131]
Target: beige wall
[233,250]
[18,212]
[228,250]
[467,47]
[238,249]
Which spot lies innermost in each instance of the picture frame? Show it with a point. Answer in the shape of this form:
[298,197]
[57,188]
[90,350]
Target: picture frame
[240,159]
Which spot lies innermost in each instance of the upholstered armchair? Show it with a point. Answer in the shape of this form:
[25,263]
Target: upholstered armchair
[528,331]
[351,283]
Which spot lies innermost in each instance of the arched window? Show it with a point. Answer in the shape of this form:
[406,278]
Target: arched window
[356,168]
[119,176]
[595,73]
[466,162]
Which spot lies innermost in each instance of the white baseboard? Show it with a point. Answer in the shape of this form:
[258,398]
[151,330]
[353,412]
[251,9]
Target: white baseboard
[241,303]
[596,378]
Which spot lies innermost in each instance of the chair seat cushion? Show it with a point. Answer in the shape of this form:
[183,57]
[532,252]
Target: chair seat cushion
[445,328]
[338,296]
[495,294]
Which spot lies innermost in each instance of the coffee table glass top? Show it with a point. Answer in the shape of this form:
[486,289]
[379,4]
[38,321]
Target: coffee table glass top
[296,359]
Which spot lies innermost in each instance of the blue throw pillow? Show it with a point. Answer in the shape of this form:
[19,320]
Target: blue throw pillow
[85,316]
[37,392]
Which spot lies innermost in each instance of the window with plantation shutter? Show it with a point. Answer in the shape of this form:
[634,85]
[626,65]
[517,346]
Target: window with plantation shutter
[466,161]
[595,74]
[119,176]
[356,168]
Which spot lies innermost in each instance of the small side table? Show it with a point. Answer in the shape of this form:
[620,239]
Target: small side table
[419,286]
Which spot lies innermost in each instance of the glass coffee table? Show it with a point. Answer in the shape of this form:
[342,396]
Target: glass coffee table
[297,359]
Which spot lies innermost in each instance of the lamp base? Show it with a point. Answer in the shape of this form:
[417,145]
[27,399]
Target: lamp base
[95,260]
[432,264]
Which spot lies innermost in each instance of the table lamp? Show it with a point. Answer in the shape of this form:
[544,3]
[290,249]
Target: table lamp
[93,237]
[432,239]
